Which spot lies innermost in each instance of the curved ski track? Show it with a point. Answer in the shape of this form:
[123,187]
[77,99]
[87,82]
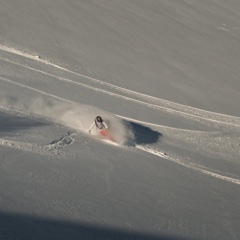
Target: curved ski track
[54,148]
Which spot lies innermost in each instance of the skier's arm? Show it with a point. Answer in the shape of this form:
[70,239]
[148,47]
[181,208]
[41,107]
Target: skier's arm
[105,125]
[91,127]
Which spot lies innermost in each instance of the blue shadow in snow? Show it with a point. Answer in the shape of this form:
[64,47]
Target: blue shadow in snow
[12,123]
[19,226]
[143,134]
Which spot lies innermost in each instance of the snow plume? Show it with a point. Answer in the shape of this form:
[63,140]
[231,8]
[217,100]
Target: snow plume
[74,115]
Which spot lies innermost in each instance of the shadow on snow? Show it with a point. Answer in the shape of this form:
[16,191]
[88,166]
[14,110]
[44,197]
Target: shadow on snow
[17,226]
[143,134]
[11,123]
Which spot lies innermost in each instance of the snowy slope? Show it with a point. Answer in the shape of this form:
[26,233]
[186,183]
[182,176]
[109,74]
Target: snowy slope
[164,75]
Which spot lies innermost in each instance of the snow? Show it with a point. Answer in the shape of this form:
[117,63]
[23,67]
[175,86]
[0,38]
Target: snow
[164,75]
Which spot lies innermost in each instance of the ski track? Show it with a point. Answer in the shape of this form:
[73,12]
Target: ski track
[190,166]
[165,105]
[55,147]
[33,89]
[182,110]
[196,111]
[67,100]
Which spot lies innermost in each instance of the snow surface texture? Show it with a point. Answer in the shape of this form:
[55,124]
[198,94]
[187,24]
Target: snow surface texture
[165,77]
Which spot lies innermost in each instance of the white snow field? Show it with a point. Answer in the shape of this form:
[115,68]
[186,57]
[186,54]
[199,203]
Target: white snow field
[165,76]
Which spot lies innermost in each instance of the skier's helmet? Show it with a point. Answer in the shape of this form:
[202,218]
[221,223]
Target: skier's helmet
[99,119]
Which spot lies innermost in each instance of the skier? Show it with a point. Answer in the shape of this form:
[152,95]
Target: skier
[102,128]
